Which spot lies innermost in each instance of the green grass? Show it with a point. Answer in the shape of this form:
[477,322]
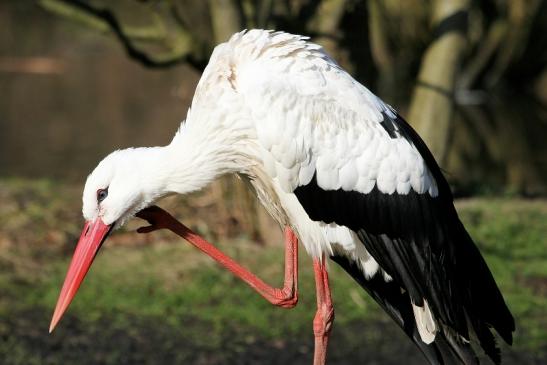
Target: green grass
[512,235]
[166,302]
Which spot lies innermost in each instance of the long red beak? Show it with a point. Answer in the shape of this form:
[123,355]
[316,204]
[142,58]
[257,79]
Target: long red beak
[91,239]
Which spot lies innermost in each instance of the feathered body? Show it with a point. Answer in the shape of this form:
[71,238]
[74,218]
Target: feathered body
[285,112]
[348,174]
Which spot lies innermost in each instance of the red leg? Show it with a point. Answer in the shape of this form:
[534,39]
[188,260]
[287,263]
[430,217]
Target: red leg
[324,317]
[286,297]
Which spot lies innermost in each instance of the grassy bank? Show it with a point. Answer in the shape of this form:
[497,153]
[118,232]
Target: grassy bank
[155,298]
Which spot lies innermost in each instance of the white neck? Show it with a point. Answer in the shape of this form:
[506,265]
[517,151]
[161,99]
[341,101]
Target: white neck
[196,157]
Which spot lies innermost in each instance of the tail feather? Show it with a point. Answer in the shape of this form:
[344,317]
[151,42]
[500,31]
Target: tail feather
[488,342]
[487,307]
[444,349]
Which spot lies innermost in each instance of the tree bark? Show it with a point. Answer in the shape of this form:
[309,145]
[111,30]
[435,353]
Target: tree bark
[325,24]
[380,50]
[432,107]
[226,18]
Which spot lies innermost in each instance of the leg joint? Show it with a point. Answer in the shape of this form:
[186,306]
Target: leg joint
[322,323]
[285,298]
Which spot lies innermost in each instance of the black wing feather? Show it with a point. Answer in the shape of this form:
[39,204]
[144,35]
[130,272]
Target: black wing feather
[419,241]
[444,350]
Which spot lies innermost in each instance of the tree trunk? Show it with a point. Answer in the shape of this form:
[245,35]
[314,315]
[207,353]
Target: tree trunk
[432,107]
[380,51]
[226,18]
[325,24]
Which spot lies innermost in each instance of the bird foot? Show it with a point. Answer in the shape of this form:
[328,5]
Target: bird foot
[158,219]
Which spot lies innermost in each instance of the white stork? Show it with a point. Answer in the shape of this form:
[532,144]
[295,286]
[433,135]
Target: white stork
[336,166]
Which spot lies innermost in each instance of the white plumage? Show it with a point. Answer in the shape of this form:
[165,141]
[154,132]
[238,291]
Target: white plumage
[304,115]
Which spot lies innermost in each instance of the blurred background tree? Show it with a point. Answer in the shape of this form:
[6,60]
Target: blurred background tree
[471,77]
[452,59]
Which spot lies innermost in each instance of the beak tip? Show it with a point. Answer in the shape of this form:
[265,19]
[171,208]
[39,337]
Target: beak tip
[53,324]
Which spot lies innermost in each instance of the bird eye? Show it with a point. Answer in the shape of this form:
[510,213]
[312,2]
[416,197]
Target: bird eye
[102,194]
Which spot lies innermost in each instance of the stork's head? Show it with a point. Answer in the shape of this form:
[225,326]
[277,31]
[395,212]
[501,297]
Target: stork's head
[119,187]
